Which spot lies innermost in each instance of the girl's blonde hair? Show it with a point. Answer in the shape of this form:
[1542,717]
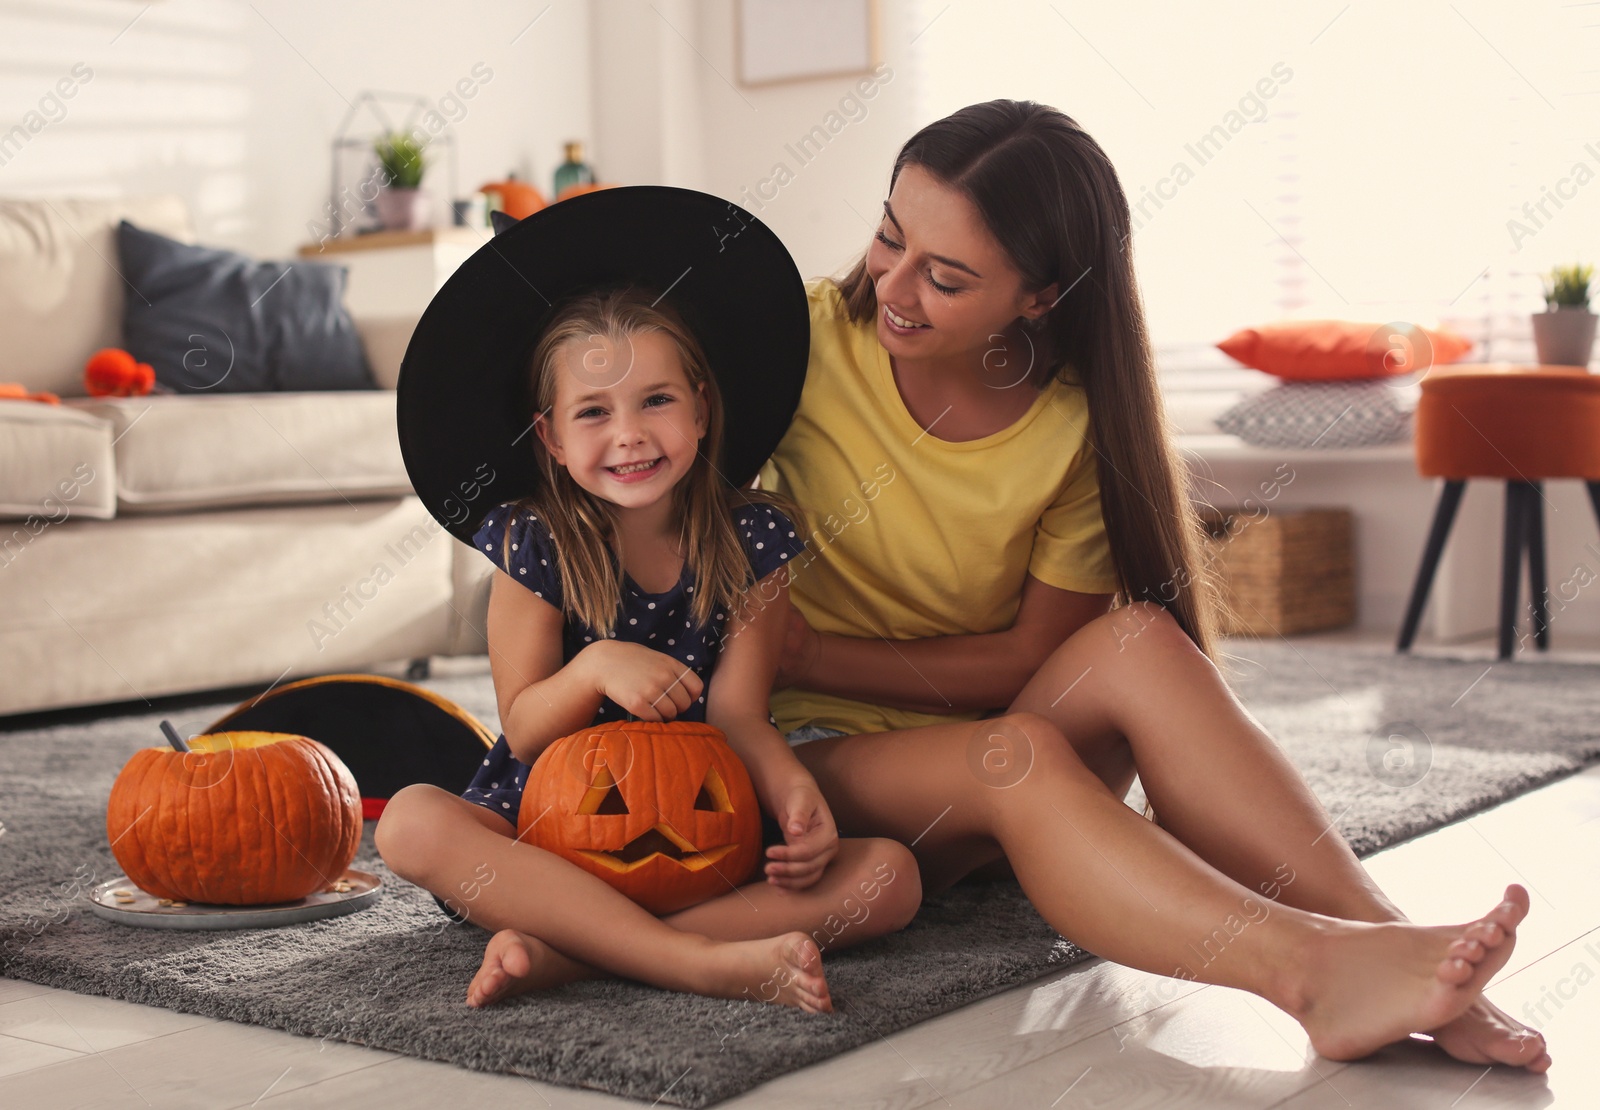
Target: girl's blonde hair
[582,526]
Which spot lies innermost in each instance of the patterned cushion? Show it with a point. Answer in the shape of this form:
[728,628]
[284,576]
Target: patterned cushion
[1324,414]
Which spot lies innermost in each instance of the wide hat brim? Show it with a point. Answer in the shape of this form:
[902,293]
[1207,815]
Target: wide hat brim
[464,414]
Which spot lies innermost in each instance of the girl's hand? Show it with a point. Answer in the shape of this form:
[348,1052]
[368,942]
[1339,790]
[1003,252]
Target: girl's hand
[649,684]
[810,839]
[801,645]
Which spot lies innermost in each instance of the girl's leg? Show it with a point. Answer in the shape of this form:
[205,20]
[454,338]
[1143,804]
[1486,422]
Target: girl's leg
[1132,692]
[870,888]
[1131,892]
[427,836]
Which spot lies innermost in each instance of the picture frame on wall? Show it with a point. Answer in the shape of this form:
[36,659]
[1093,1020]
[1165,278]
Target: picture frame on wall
[781,40]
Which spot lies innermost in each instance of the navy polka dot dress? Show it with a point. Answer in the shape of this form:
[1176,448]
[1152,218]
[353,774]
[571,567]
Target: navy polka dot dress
[663,622]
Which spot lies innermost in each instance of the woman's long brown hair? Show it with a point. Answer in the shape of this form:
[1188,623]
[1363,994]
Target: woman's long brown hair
[1051,198]
[582,526]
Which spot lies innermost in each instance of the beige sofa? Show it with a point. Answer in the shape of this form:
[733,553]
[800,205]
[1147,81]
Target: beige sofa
[175,543]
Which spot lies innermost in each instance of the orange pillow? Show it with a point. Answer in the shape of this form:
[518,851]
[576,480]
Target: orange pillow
[1338,350]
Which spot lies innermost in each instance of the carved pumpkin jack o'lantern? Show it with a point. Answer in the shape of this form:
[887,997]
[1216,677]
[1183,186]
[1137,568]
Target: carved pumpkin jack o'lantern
[663,811]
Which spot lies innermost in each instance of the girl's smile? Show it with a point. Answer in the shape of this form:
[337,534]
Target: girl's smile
[633,434]
[638,471]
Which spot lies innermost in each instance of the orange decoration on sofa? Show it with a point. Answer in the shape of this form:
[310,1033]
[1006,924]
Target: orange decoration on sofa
[16,391]
[663,811]
[113,372]
[1340,350]
[241,819]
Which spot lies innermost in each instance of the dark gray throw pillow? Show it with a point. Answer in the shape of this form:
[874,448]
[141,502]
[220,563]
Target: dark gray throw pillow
[217,321]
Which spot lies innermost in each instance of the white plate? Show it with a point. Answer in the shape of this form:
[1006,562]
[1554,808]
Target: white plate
[147,911]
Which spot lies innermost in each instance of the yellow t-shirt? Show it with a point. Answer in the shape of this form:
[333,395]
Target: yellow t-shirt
[912,536]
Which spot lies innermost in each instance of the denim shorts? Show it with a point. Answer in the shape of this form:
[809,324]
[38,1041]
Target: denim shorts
[770,833]
[807,733]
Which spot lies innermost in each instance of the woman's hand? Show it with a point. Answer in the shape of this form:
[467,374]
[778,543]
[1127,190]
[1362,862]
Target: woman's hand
[801,646]
[810,838]
[649,684]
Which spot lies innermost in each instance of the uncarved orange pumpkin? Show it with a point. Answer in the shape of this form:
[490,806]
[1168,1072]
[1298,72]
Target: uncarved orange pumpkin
[589,187]
[241,819]
[663,811]
[518,199]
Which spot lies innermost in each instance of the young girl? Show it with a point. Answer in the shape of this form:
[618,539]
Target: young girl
[987,360]
[624,588]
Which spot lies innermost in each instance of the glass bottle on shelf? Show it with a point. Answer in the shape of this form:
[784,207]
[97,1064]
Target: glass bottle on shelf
[574,171]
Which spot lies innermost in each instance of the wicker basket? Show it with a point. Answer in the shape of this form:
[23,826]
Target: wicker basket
[1283,571]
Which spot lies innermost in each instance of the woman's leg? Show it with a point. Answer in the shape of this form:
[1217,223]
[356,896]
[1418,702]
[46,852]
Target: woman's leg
[1131,892]
[429,837]
[1133,693]
[870,888]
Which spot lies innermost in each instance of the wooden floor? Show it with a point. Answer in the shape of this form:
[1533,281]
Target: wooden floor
[1095,1035]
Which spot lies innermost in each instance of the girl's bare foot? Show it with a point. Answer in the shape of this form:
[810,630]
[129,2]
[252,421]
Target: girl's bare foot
[1367,985]
[514,963]
[786,969]
[1486,1034]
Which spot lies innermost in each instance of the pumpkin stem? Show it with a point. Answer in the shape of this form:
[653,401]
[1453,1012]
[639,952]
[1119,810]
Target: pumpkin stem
[178,743]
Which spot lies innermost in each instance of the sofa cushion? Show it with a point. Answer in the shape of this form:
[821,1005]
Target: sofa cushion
[178,451]
[55,464]
[217,321]
[148,605]
[60,295]
[386,339]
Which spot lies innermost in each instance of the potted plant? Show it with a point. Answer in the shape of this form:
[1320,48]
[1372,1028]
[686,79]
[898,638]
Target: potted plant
[1564,335]
[402,204]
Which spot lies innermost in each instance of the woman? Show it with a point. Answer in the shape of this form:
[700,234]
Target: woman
[981,440]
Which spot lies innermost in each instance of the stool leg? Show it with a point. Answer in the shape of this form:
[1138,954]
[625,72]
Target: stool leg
[1511,565]
[1594,497]
[1444,515]
[1533,509]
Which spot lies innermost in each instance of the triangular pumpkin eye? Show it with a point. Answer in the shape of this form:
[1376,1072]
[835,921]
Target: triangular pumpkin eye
[713,794]
[603,796]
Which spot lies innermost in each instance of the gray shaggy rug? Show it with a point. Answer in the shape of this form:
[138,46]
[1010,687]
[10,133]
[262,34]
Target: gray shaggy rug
[1392,746]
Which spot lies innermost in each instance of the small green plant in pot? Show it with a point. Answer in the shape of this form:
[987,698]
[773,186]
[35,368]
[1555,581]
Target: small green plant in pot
[1564,333]
[403,205]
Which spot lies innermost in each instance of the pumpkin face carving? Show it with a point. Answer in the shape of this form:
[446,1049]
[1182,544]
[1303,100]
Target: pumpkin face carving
[241,819]
[663,811]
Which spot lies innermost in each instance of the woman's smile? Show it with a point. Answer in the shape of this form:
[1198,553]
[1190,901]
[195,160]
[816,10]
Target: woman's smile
[900,325]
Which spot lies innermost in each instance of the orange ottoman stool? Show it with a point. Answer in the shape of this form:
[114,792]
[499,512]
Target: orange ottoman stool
[1523,424]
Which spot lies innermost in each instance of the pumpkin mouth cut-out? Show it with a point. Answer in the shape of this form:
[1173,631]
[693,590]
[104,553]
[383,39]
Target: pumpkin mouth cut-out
[603,797]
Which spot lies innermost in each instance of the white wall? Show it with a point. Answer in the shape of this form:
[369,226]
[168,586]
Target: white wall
[233,105]
[669,110]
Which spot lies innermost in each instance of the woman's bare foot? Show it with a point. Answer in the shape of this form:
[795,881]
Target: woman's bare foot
[514,963]
[1486,1034]
[786,969]
[1368,985]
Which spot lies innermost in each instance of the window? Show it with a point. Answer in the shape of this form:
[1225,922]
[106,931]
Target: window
[1418,161]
